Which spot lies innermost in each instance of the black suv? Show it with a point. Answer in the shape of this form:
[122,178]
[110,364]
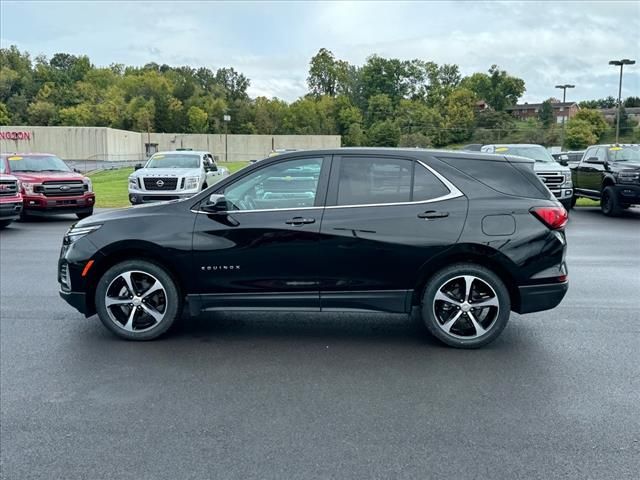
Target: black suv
[468,237]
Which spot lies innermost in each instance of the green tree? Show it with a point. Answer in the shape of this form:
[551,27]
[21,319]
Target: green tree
[198,120]
[460,115]
[595,118]
[42,112]
[499,89]
[380,108]
[413,140]
[354,136]
[385,133]
[631,102]
[579,134]
[545,114]
[326,73]
[79,115]
[4,115]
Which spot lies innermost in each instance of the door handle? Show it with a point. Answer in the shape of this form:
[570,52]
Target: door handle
[429,214]
[300,221]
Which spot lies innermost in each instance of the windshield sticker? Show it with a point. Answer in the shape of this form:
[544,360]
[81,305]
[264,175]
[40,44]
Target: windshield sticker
[13,159]
[502,149]
[157,157]
[613,149]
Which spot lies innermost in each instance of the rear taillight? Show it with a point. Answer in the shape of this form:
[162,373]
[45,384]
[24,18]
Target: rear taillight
[553,217]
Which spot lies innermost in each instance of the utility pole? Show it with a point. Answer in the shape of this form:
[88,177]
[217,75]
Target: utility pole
[621,64]
[564,100]
[226,119]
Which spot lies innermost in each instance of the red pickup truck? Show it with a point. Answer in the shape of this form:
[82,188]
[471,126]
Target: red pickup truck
[49,186]
[10,199]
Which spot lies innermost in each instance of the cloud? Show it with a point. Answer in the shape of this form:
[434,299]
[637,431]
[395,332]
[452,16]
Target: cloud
[272,42]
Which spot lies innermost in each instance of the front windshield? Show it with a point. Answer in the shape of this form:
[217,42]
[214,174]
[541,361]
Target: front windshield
[2,167]
[627,153]
[536,152]
[37,163]
[174,160]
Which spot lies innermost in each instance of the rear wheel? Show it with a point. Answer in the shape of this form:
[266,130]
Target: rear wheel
[609,202]
[466,306]
[137,300]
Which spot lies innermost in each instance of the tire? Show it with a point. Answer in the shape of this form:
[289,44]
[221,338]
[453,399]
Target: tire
[5,223]
[85,214]
[609,202]
[453,321]
[165,303]
[568,203]
[574,199]
[204,187]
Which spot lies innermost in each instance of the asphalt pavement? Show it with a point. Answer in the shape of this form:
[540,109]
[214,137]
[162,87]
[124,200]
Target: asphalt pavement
[284,396]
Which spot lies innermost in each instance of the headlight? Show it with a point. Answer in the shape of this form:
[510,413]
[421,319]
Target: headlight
[629,176]
[28,188]
[568,183]
[133,182]
[75,233]
[89,185]
[191,183]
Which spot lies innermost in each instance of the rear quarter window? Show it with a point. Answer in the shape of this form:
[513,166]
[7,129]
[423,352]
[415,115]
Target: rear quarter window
[516,179]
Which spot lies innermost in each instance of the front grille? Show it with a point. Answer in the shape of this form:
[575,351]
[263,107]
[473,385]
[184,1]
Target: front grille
[8,188]
[553,181]
[159,198]
[66,188]
[157,183]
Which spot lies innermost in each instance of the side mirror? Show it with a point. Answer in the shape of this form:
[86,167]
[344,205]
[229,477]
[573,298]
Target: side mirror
[138,166]
[216,203]
[594,160]
[76,170]
[211,168]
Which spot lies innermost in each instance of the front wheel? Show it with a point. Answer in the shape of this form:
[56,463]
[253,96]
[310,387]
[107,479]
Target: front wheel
[5,223]
[609,202]
[568,203]
[84,214]
[466,306]
[137,300]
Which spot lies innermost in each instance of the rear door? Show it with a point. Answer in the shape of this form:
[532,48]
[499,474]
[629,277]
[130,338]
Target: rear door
[385,217]
[264,250]
[591,173]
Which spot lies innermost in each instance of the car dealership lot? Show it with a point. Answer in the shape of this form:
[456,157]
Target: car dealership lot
[324,395]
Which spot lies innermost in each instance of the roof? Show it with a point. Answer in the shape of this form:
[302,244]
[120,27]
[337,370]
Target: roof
[170,152]
[531,106]
[31,154]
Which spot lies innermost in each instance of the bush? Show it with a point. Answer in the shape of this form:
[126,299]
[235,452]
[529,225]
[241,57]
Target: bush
[579,134]
[383,134]
[413,140]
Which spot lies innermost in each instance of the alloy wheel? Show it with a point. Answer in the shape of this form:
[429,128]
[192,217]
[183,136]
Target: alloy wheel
[136,301]
[466,307]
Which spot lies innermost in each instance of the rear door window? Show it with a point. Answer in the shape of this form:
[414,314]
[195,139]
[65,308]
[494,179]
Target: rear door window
[372,181]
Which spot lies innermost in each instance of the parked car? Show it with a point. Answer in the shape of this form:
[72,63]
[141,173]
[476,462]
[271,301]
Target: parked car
[568,158]
[48,185]
[609,174]
[467,237]
[174,175]
[10,198]
[555,176]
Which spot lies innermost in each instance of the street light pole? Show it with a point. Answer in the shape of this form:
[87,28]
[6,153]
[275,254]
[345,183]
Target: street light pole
[564,100]
[226,119]
[621,64]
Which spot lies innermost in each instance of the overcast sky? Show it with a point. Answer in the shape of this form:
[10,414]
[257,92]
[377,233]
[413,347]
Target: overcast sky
[545,43]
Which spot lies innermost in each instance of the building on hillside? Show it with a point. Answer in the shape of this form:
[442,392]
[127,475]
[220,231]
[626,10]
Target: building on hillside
[610,113]
[561,111]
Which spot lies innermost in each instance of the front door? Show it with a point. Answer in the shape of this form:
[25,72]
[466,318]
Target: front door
[263,251]
[385,217]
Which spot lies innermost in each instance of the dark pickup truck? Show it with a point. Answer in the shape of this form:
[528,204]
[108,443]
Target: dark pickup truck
[610,174]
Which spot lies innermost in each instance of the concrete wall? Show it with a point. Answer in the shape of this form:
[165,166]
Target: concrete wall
[101,143]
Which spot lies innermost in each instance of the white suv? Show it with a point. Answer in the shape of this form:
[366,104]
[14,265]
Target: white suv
[174,175]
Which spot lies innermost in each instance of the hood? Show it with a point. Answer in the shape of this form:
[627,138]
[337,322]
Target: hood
[38,177]
[627,165]
[4,176]
[550,167]
[167,172]
[161,208]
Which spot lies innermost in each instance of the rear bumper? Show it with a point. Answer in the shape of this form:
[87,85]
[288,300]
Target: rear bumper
[536,298]
[76,299]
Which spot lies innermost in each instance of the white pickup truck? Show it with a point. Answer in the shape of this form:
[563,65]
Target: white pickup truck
[174,175]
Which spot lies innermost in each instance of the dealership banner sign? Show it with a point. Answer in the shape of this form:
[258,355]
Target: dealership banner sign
[15,135]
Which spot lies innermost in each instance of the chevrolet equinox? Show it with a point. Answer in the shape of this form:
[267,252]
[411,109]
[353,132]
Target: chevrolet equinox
[466,237]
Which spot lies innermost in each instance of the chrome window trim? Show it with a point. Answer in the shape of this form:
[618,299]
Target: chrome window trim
[454,192]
